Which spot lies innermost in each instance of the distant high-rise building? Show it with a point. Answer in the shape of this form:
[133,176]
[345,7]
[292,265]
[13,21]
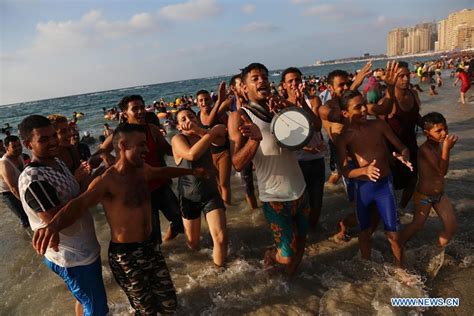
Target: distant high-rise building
[395,41]
[456,31]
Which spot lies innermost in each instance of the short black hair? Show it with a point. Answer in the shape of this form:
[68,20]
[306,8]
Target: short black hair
[234,79]
[126,128]
[431,119]
[346,97]
[123,104]
[10,139]
[202,91]
[403,64]
[336,73]
[251,67]
[290,70]
[31,122]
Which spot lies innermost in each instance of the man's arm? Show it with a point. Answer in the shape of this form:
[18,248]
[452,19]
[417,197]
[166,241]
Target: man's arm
[403,153]
[370,171]
[73,210]
[361,75]
[331,111]
[172,172]
[10,177]
[315,105]
[244,139]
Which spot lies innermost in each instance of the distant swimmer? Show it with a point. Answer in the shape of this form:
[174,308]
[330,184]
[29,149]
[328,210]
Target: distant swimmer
[433,164]
[465,83]
[77,115]
[135,259]
[371,172]
[6,130]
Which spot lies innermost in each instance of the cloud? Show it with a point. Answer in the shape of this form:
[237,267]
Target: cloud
[191,10]
[333,11]
[258,27]
[300,1]
[90,30]
[248,8]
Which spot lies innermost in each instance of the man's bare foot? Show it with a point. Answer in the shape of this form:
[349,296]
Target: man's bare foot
[269,259]
[334,178]
[169,235]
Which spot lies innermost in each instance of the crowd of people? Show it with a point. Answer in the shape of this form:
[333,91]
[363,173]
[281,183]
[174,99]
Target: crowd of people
[128,175]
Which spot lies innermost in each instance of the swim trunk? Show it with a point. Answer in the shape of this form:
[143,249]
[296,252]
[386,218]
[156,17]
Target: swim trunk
[192,210]
[288,222]
[141,271]
[381,193]
[86,284]
[465,87]
[423,199]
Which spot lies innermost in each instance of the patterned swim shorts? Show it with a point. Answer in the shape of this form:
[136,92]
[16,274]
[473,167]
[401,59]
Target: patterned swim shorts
[288,222]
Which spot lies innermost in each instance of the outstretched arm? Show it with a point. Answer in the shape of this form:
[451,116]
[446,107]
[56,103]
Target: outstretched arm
[244,139]
[385,105]
[403,153]
[48,236]
[172,172]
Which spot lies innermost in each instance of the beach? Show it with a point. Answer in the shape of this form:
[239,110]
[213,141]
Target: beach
[331,280]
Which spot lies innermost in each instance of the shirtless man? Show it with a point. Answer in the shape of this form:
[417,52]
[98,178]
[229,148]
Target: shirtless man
[135,259]
[330,114]
[371,171]
[433,163]
[280,180]
[162,196]
[11,165]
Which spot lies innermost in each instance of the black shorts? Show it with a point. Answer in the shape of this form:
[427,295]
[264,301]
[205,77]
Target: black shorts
[192,210]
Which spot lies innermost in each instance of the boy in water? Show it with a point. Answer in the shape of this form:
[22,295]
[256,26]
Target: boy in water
[372,170]
[134,257]
[433,162]
[465,83]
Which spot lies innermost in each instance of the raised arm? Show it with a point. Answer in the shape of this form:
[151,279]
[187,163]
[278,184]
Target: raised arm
[221,106]
[182,149]
[361,75]
[331,111]
[244,139]
[385,105]
[73,210]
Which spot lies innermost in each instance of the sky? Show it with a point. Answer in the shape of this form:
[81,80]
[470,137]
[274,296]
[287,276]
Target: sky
[65,47]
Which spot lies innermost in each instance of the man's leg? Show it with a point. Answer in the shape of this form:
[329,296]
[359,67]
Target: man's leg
[15,206]
[446,212]
[161,285]
[165,200]
[217,227]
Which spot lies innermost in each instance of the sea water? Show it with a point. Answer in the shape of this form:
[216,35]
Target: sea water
[332,279]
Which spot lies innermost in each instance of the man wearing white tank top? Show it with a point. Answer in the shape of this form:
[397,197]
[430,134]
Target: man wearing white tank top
[11,165]
[280,181]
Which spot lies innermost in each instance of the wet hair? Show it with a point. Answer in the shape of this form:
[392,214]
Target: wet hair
[126,128]
[251,67]
[346,97]
[31,122]
[403,64]
[459,70]
[10,139]
[336,73]
[290,70]
[182,110]
[57,119]
[202,91]
[431,119]
[234,79]
[123,104]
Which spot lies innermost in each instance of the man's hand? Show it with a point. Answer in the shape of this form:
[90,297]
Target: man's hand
[276,103]
[449,141]
[82,172]
[44,238]
[249,129]
[200,172]
[361,75]
[391,73]
[404,159]
[372,172]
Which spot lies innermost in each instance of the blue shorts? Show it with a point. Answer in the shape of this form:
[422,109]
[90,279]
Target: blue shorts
[86,284]
[380,193]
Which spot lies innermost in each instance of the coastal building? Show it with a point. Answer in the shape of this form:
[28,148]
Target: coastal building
[456,32]
[395,42]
